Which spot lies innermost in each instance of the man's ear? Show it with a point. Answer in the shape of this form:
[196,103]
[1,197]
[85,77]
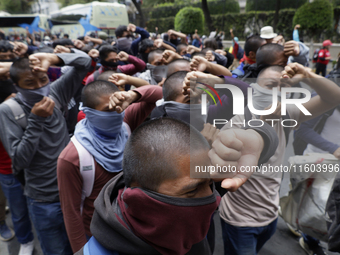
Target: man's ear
[252,55]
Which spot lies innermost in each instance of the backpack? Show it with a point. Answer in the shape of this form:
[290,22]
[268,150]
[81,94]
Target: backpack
[299,144]
[316,55]
[87,170]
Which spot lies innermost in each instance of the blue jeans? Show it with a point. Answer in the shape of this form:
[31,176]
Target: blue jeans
[17,204]
[245,240]
[48,220]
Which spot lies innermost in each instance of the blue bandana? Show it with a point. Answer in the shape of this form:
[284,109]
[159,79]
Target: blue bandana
[104,136]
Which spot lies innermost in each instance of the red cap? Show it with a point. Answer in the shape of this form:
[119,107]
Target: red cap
[327,43]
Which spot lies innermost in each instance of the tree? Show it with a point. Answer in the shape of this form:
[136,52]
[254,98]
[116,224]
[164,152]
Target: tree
[270,5]
[206,12]
[188,19]
[140,13]
[276,16]
[16,6]
[314,18]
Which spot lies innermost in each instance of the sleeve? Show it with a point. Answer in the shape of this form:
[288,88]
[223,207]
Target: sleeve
[20,145]
[307,134]
[136,65]
[137,112]
[70,189]
[64,88]
[303,56]
[169,43]
[220,59]
[296,35]
[143,35]
[270,139]
[31,49]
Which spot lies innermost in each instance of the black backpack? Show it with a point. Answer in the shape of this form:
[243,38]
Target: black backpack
[299,144]
[316,55]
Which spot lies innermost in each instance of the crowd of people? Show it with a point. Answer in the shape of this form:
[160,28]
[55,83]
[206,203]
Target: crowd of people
[98,138]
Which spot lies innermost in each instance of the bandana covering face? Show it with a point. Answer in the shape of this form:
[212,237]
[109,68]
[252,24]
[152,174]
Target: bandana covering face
[170,224]
[250,61]
[104,136]
[157,72]
[262,98]
[124,43]
[32,96]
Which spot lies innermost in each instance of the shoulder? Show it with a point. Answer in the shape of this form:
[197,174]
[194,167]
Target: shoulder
[70,154]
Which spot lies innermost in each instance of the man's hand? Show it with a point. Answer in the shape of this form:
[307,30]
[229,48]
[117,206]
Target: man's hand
[158,43]
[11,96]
[40,62]
[169,56]
[191,49]
[93,53]
[221,52]
[191,80]
[61,49]
[210,56]
[295,71]
[236,148]
[20,48]
[279,40]
[78,44]
[44,108]
[120,80]
[210,133]
[161,82]
[131,28]
[4,69]
[292,48]
[199,64]
[123,56]
[119,101]
[297,26]
[336,153]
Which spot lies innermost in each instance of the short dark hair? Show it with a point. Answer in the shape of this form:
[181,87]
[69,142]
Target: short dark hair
[120,30]
[275,68]
[144,45]
[106,50]
[198,53]
[177,63]
[66,36]
[152,152]
[153,54]
[104,76]
[18,67]
[172,86]
[92,91]
[62,42]
[6,46]
[211,43]
[180,47]
[267,54]
[252,44]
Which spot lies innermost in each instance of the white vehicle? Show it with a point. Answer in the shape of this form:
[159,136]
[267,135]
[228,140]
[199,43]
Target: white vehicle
[103,15]
[10,23]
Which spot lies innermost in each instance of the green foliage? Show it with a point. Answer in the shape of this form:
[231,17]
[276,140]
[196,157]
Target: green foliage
[162,24]
[314,17]
[188,19]
[335,2]
[269,5]
[15,6]
[65,3]
[170,9]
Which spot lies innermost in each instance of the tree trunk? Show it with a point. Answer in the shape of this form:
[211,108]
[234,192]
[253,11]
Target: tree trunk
[276,16]
[207,15]
[141,16]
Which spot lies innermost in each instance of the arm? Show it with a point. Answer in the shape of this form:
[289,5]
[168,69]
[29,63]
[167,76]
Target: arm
[179,34]
[64,88]
[159,43]
[136,65]
[328,92]
[297,51]
[120,80]
[70,190]
[137,112]
[201,64]
[306,133]
[143,35]
[88,39]
[296,33]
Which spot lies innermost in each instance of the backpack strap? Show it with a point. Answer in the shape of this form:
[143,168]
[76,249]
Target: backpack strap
[87,170]
[17,111]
